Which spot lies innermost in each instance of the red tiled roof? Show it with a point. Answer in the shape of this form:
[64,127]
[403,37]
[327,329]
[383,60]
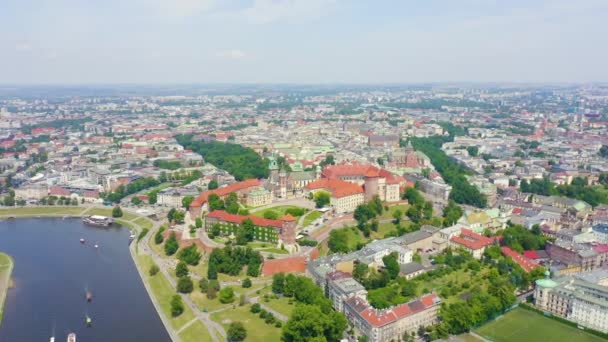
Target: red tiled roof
[288,218]
[363,170]
[258,221]
[525,263]
[59,191]
[603,248]
[531,254]
[379,318]
[234,187]
[472,240]
[286,265]
[337,187]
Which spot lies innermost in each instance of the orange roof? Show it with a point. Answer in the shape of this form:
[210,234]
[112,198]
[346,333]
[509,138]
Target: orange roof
[258,221]
[337,187]
[379,318]
[286,265]
[472,240]
[225,191]
[363,170]
[525,263]
[288,218]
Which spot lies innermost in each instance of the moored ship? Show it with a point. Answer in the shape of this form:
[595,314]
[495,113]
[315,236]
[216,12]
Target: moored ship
[97,220]
[72,337]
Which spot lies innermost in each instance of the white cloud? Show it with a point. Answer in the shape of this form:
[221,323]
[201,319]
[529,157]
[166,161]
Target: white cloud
[233,54]
[267,11]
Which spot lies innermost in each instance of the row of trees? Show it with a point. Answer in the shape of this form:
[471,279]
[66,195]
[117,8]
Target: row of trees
[241,162]
[455,175]
[135,186]
[577,189]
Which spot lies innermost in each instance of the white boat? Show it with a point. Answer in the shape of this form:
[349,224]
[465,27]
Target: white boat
[81,240]
[72,337]
[52,339]
[96,246]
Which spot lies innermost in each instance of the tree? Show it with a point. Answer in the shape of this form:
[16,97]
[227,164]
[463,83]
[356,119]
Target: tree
[604,151]
[338,241]
[391,265]
[473,150]
[152,197]
[215,203]
[117,211]
[198,222]
[271,215]
[397,214]
[185,285]
[181,270]
[227,295]
[171,246]
[186,201]
[246,283]
[190,255]
[255,308]
[236,332]
[179,216]
[310,323]
[136,200]
[203,284]
[245,232]
[278,283]
[9,201]
[170,214]
[213,185]
[158,237]
[154,269]
[451,214]
[322,198]
[177,306]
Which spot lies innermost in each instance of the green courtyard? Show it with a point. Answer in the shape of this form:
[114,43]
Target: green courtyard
[279,210]
[524,325]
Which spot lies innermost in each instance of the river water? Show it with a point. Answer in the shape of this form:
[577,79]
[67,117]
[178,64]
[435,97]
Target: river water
[52,272]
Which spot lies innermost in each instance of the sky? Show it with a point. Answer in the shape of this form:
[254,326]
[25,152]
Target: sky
[302,41]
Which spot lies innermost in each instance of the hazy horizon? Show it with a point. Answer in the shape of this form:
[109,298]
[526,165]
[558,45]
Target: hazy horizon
[302,42]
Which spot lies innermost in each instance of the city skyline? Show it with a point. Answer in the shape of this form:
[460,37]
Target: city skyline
[302,42]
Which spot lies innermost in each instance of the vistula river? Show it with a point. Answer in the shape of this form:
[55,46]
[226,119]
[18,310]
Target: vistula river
[52,273]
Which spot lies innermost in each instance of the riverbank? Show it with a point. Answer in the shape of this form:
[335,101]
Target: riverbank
[6,268]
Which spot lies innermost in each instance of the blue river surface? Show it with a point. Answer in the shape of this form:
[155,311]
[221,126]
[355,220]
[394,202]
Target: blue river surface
[52,273]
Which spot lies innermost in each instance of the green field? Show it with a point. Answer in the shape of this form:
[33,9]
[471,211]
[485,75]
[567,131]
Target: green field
[523,325]
[163,291]
[196,332]
[6,267]
[313,215]
[108,212]
[280,210]
[144,222]
[41,211]
[257,329]
[280,305]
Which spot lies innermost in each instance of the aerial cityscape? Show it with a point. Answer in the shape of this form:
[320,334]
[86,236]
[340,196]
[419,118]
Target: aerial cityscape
[281,200]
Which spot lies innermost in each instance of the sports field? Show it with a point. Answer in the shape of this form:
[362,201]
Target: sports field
[523,325]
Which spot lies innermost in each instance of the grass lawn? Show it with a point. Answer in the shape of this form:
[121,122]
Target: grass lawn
[195,332]
[163,291]
[6,266]
[202,302]
[457,278]
[108,212]
[280,210]
[159,188]
[524,325]
[257,329]
[389,214]
[34,211]
[313,215]
[144,222]
[280,305]
[383,229]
